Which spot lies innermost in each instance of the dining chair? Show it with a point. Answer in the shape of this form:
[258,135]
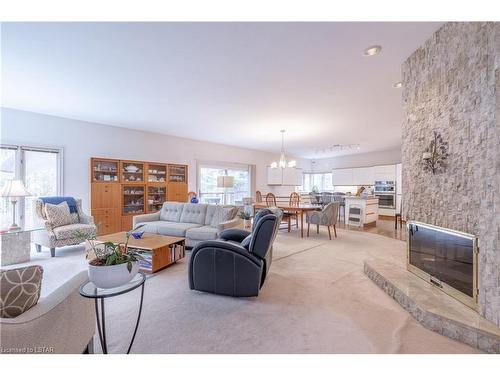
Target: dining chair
[258,197]
[327,217]
[314,197]
[339,197]
[294,201]
[270,200]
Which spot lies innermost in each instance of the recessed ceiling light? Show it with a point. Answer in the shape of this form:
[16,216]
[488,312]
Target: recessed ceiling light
[373,50]
[398,85]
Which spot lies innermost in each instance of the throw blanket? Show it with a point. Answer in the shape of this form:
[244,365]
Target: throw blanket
[56,200]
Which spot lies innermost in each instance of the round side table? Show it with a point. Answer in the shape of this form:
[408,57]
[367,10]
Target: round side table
[89,290]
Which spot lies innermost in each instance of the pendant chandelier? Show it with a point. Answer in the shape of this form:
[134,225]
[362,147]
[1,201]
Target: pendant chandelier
[282,163]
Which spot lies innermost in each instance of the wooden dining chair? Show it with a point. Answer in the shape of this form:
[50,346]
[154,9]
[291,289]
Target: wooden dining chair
[258,197]
[294,202]
[270,200]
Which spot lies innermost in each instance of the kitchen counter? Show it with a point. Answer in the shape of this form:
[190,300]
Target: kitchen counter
[368,207]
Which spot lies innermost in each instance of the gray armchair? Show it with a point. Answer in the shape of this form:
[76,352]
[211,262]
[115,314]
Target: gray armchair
[65,235]
[238,262]
[327,217]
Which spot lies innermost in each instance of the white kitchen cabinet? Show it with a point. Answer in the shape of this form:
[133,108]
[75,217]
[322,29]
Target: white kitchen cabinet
[284,176]
[292,177]
[362,176]
[274,176]
[342,176]
[384,172]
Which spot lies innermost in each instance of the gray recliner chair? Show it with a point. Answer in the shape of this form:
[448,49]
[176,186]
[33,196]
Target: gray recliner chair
[238,262]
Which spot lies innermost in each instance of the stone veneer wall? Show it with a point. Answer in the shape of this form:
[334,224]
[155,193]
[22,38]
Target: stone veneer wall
[452,85]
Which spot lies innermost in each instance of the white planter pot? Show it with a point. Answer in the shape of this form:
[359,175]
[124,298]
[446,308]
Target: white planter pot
[112,276]
[247,223]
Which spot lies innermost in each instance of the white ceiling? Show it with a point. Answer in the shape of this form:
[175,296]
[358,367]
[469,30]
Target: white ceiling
[232,83]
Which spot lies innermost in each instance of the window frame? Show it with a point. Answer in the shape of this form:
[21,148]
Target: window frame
[20,170]
[224,165]
[309,175]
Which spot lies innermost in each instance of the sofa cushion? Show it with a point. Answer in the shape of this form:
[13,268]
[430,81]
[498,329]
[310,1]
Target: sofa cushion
[59,214]
[83,231]
[202,233]
[223,214]
[194,213]
[171,211]
[210,213]
[168,228]
[19,290]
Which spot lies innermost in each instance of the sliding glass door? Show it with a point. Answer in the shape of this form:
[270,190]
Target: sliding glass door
[39,169]
[40,177]
[209,192]
[8,163]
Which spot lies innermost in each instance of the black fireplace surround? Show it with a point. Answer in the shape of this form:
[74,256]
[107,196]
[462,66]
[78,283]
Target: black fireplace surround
[445,258]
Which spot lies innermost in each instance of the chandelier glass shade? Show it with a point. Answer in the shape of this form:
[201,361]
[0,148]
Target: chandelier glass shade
[282,163]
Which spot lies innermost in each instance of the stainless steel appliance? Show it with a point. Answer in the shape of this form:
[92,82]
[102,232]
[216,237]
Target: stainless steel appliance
[385,187]
[385,191]
[386,200]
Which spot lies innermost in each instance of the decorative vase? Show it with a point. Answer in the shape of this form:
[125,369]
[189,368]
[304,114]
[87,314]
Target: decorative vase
[247,223]
[106,277]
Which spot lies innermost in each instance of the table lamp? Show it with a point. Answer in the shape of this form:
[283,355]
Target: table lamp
[225,182]
[14,189]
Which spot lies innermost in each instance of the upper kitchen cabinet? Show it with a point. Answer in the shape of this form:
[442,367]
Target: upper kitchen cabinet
[363,176]
[384,172]
[292,176]
[284,176]
[274,176]
[343,176]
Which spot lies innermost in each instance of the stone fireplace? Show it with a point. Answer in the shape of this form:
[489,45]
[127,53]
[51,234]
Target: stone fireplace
[451,85]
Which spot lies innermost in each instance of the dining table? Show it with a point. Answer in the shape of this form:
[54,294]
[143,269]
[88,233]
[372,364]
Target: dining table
[286,207]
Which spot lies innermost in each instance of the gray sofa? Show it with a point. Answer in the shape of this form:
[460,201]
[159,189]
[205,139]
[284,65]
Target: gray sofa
[195,222]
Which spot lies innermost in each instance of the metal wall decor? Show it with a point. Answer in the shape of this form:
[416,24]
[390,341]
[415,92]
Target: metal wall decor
[435,155]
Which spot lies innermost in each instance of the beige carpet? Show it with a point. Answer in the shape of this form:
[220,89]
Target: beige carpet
[315,300]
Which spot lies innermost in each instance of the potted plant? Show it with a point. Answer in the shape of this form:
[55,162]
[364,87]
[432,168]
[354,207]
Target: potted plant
[246,219]
[111,264]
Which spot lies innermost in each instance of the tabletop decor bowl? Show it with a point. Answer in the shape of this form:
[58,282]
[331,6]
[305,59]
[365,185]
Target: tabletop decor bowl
[131,168]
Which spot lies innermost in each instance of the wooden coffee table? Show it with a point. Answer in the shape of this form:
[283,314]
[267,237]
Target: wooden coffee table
[161,251]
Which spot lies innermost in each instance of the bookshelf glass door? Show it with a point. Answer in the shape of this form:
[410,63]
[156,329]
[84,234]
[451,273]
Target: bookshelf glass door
[104,170]
[177,173]
[156,196]
[132,172]
[133,199]
[157,173]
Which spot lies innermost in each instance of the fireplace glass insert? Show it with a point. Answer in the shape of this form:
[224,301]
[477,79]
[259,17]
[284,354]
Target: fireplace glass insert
[445,258]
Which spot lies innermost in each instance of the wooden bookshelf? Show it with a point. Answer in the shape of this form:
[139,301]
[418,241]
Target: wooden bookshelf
[121,189]
[132,172]
[105,170]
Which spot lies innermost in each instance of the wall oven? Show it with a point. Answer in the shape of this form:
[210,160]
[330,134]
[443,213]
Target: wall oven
[386,200]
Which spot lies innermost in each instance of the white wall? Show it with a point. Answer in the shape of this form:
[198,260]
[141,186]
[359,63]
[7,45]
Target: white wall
[357,160]
[83,140]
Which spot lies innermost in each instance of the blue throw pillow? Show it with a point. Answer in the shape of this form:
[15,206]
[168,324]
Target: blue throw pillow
[246,241]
